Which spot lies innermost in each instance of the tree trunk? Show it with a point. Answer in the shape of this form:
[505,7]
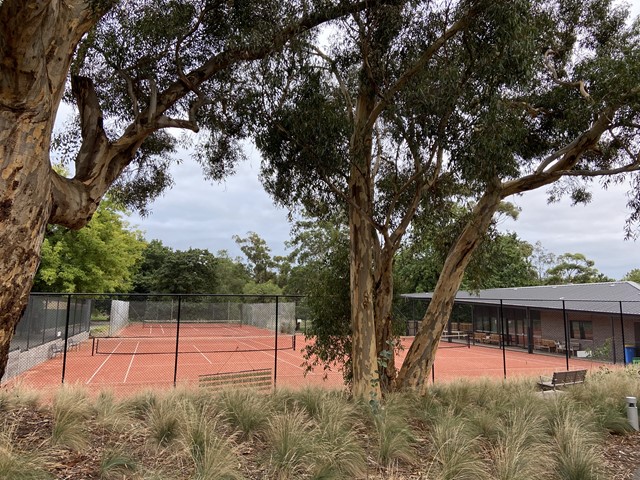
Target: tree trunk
[37,41]
[419,360]
[384,320]
[25,205]
[366,383]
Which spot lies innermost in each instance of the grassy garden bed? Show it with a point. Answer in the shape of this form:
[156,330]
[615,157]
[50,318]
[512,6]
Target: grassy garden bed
[461,430]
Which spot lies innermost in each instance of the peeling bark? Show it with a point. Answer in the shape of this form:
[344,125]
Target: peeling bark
[416,367]
[364,355]
[37,41]
[384,317]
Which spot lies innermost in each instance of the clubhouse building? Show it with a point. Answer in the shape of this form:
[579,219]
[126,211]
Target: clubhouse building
[597,320]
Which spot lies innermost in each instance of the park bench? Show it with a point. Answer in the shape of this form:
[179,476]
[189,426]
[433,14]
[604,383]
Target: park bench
[259,379]
[58,348]
[545,344]
[563,379]
[55,349]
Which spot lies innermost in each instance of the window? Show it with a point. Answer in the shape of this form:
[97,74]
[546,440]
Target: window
[582,329]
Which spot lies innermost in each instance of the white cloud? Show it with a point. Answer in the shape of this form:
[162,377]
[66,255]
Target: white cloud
[596,229]
[201,214]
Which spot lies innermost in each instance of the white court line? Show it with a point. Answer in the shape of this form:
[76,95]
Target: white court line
[131,363]
[101,365]
[280,353]
[205,357]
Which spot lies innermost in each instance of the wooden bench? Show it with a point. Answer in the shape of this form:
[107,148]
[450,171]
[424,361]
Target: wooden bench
[259,379]
[545,344]
[479,337]
[563,379]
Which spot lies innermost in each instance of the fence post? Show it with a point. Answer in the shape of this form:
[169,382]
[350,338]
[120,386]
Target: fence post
[66,337]
[529,331]
[175,366]
[567,336]
[504,347]
[275,351]
[613,341]
[624,359]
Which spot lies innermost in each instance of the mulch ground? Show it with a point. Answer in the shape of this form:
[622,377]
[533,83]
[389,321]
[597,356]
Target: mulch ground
[621,452]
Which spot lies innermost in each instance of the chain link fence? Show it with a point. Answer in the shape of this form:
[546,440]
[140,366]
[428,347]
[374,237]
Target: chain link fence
[129,341]
[595,331]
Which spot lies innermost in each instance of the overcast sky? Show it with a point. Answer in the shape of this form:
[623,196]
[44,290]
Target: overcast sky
[201,214]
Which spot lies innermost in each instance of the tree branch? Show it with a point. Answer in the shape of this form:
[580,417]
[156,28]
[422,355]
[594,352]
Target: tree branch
[421,62]
[566,158]
[339,79]
[94,138]
[554,75]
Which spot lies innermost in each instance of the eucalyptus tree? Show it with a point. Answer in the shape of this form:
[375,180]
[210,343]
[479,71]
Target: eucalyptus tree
[134,69]
[419,102]
[574,268]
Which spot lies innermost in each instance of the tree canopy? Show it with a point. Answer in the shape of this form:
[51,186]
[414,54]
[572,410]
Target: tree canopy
[406,107]
[99,258]
[415,105]
[574,268]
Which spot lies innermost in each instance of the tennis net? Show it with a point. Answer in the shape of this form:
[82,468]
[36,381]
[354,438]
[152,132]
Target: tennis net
[168,345]
[455,340]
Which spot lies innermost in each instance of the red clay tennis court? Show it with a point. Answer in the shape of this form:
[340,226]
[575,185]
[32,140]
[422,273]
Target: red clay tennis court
[143,356]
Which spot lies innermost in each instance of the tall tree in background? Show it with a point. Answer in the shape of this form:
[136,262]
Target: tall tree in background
[99,258]
[632,276]
[135,68]
[258,254]
[421,102]
[574,268]
[321,273]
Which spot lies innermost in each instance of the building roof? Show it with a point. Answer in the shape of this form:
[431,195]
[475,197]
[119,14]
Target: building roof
[606,297]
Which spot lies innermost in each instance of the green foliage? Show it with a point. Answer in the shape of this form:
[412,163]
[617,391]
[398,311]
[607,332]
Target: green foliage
[502,262]
[98,258]
[14,464]
[70,409]
[266,288]
[463,429]
[574,268]
[321,250]
[289,436]
[116,464]
[245,411]
[232,274]
[258,254]
[633,275]
[163,270]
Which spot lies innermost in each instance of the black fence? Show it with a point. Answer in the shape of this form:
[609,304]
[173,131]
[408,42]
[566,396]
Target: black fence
[128,341]
[125,342]
[604,332]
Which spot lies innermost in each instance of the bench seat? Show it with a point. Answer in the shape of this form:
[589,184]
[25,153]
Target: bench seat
[563,379]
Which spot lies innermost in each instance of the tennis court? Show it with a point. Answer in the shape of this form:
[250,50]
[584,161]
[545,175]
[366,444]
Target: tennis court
[128,364]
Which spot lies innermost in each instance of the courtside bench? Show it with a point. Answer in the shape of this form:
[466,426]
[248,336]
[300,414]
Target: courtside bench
[563,379]
[259,379]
